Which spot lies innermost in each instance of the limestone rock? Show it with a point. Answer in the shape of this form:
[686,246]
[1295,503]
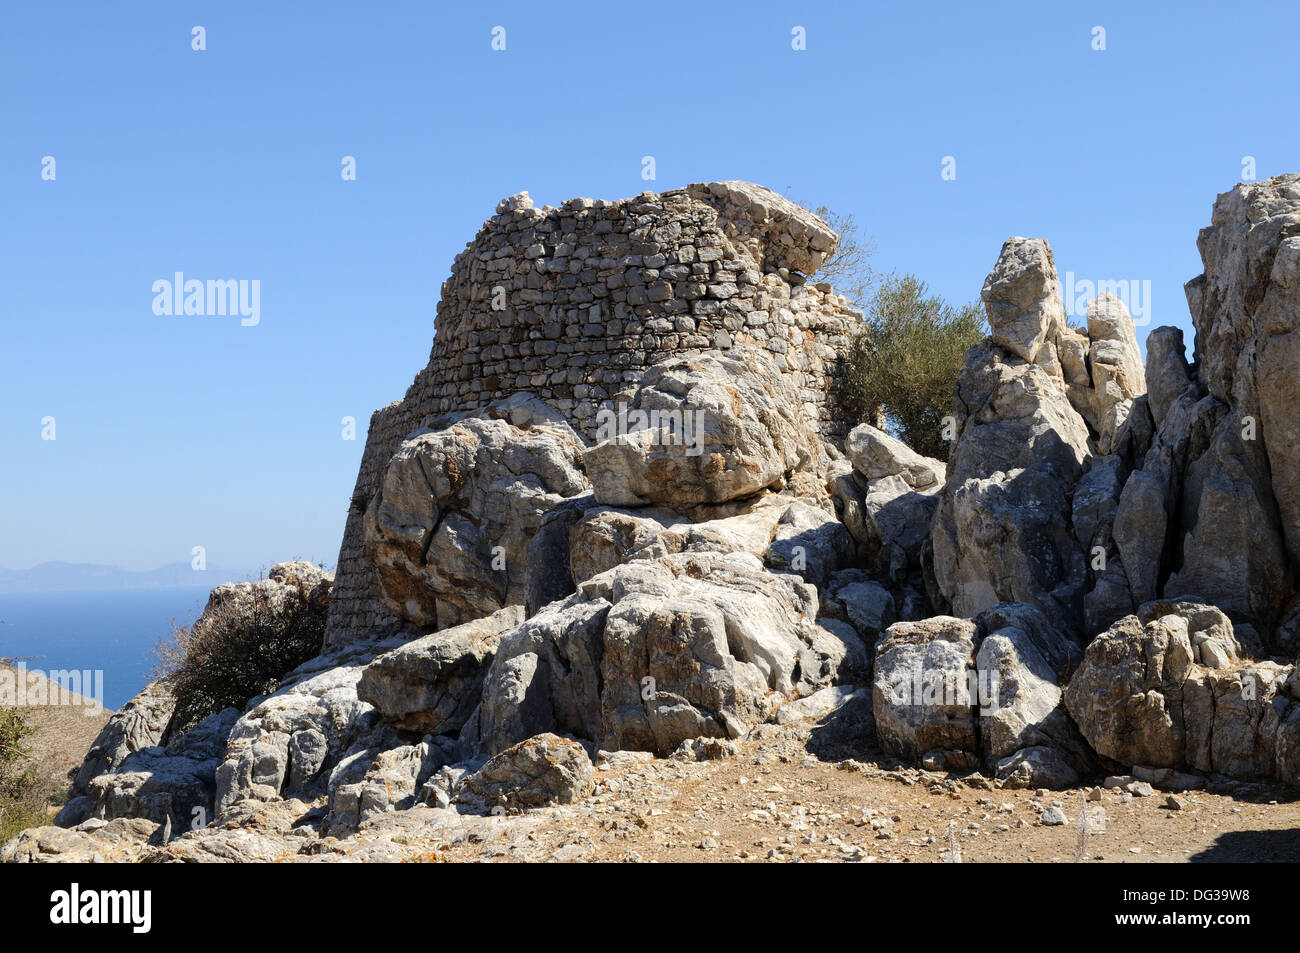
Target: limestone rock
[1021,663]
[1023,298]
[958,692]
[291,742]
[547,575]
[432,684]
[1001,530]
[448,527]
[1167,373]
[544,769]
[875,454]
[1115,365]
[1167,688]
[921,688]
[656,651]
[702,430]
[1037,766]
[165,785]
[140,723]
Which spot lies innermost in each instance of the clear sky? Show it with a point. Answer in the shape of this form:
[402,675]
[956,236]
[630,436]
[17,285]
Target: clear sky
[225,163]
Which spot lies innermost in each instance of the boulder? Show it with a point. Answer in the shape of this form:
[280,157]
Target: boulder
[394,779]
[432,684]
[655,651]
[955,692]
[1037,766]
[1023,297]
[875,454]
[545,769]
[921,690]
[1169,688]
[448,528]
[790,535]
[887,501]
[700,430]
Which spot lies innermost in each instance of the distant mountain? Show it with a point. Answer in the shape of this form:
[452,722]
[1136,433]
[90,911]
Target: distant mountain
[67,577]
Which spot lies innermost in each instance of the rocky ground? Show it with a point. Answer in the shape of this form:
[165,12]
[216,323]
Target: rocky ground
[771,802]
[1101,578]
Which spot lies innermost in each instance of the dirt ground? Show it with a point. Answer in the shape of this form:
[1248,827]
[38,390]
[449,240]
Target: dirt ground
[779,798]
[774,803]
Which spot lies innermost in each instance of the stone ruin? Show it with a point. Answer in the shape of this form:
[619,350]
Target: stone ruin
[573,304]
[1101,580]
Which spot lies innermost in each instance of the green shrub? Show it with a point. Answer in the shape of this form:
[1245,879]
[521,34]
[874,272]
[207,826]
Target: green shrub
[20,803]
[901,367]
[245,642]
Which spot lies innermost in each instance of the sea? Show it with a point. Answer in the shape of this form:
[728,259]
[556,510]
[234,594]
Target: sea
[113,631]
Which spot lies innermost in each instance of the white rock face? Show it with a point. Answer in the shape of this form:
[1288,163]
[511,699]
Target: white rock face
[958,693]
[708,430]
[448,529]
[654,652]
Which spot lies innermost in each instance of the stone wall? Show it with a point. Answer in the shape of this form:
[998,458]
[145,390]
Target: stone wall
[573,303]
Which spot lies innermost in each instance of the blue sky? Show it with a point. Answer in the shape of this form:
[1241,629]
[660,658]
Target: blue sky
[224,163]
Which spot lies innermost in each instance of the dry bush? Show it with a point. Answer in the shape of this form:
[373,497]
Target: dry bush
[243,645]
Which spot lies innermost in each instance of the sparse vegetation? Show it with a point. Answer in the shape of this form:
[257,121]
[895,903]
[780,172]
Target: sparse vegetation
[21,805]
[245,642]
[902,366]
[849,269]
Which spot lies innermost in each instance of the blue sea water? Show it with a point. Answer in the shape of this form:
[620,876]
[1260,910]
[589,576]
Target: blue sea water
[110,630]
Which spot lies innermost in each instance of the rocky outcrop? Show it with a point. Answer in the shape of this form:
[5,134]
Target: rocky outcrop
[1210,509]
[139,724]
[702,430]
[432,684]
[458,504]
[174,786]
[959,694]
[656,651]
[1171,687]
[1002,528]
[1072,490]
[294,741]
[158,757]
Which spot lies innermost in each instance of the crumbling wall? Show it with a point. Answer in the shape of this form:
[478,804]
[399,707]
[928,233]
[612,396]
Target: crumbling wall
[573,303]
